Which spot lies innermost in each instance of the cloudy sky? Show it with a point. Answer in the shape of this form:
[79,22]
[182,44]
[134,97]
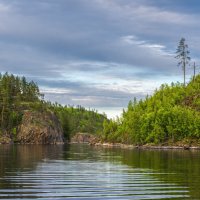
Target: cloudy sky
[97,53]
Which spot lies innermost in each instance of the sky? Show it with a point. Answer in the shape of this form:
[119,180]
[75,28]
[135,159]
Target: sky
[97,53]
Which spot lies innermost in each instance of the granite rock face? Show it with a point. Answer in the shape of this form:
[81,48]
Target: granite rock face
[83,138]
[40,128]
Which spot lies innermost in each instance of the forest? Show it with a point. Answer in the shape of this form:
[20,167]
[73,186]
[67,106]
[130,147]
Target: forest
[18,95]
[78,119]
[170,116]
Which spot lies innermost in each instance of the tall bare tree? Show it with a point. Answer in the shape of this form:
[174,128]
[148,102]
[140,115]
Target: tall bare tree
[182,54]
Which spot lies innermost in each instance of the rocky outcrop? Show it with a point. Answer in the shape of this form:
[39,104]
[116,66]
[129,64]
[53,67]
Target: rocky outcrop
[40,128]
[6,139]
[83,138]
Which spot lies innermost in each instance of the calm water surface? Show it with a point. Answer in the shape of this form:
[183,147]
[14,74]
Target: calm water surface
[84,172]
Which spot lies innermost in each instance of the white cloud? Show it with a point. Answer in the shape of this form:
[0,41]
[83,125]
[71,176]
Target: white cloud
[55,90]
[155,48]
[95,53]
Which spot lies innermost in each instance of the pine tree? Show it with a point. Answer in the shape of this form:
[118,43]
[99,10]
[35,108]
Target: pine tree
[182,54]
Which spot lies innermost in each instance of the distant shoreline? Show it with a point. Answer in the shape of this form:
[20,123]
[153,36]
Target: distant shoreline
[119,145]
[150,147]
[86,138]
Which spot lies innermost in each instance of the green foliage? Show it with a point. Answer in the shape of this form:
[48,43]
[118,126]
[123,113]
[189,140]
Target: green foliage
[172,114]
[78,119]
[110,131]
[16,95]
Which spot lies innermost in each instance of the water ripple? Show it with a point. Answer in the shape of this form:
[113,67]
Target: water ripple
[68,179]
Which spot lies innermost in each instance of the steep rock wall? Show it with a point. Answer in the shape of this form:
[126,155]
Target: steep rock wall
[40,128]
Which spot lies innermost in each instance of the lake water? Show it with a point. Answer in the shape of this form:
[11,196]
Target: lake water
[84,172]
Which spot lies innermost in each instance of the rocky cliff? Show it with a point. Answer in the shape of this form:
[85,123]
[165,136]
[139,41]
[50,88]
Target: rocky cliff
[40,128]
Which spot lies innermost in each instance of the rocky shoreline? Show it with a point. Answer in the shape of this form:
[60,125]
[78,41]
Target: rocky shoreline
[56,137]
[84,138]
[159,147]
[36,128]
[90,139]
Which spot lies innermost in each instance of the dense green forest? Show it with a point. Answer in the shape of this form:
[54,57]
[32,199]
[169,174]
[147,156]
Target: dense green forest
[78,119]
[18,95]
[170,116]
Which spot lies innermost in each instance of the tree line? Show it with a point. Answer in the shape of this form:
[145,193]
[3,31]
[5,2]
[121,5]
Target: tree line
[78,119]
[18,95]
[171,115]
